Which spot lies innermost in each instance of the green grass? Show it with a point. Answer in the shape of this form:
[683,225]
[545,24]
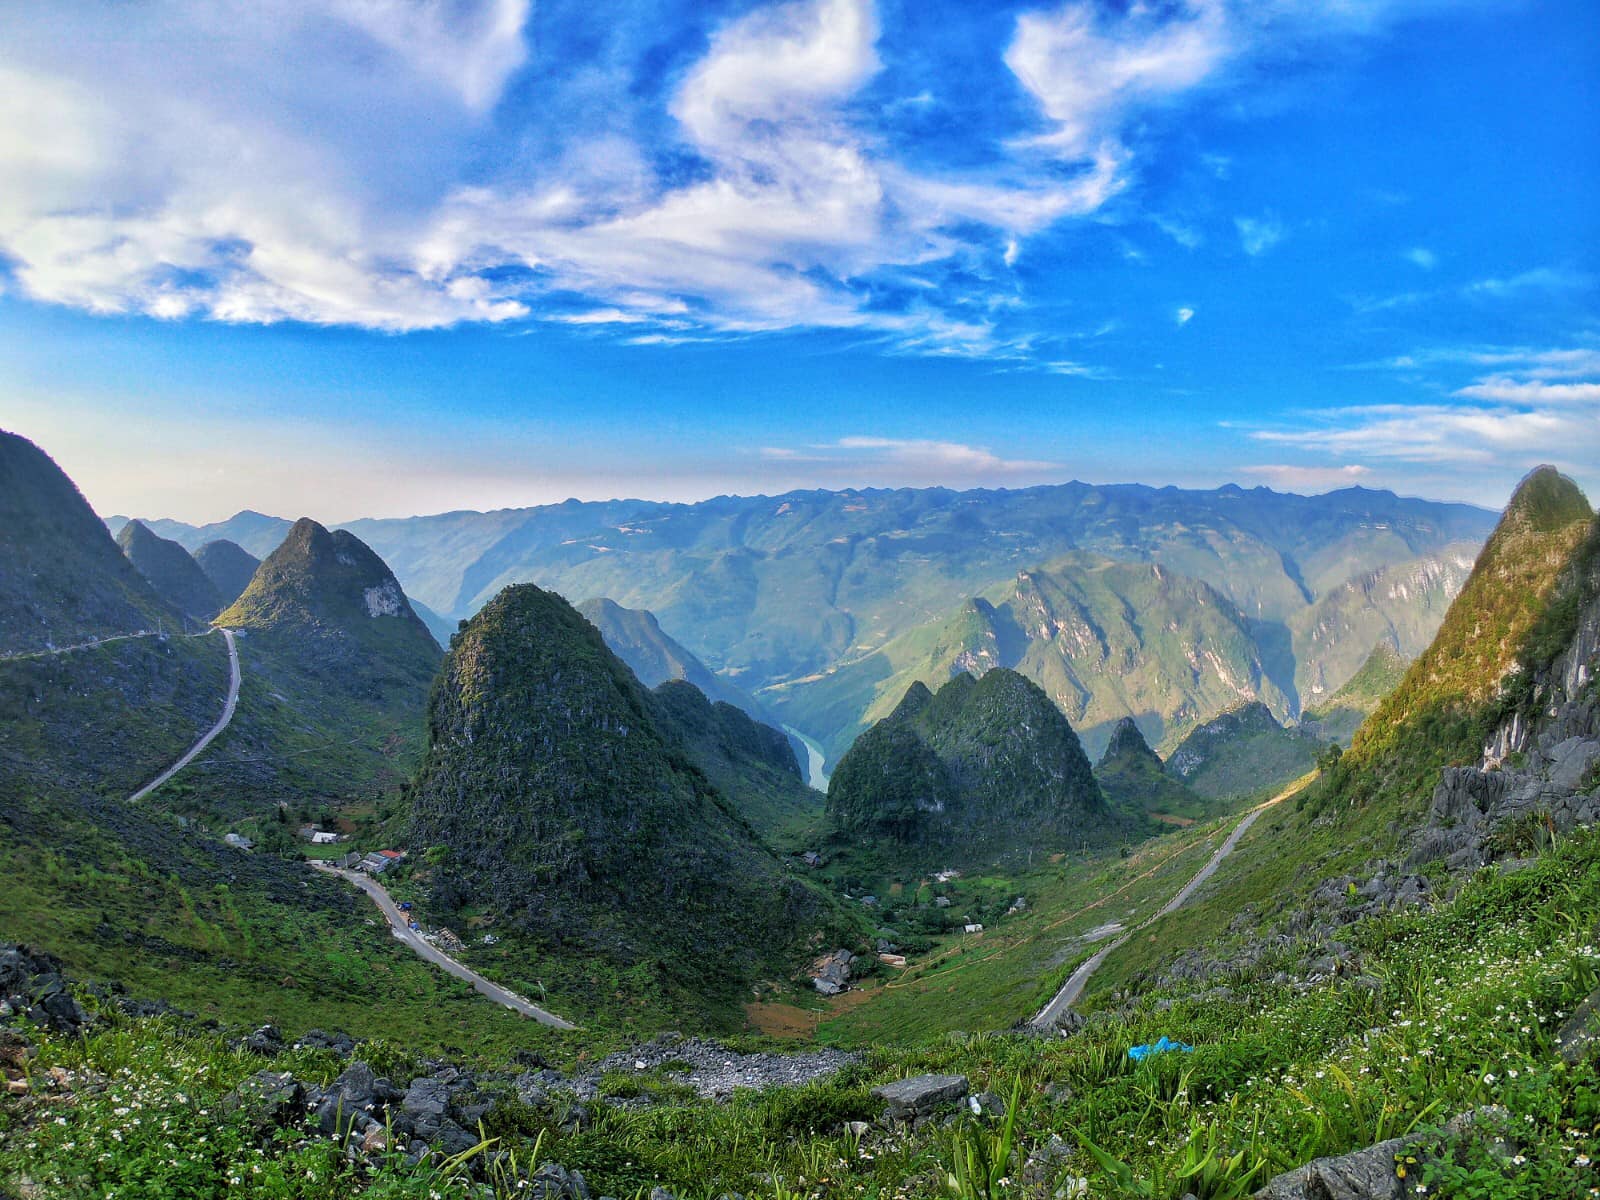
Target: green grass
[1471,994]
[1007,973]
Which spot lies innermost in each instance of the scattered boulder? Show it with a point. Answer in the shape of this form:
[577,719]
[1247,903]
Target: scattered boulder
[552,1181]
[1361,1175]
[265,1041]
[269,1099]
[920,1095]
[1580,1032]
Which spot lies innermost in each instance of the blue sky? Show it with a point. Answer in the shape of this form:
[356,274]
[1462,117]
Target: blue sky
[380,257]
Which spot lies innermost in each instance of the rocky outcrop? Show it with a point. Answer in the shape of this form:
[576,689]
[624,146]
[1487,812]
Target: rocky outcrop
[915,1099]
[1539,772]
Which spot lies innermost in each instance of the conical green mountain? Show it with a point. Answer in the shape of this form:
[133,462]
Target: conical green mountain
[636,637]
[556,792]
[337,602]
[62,578]
[229,566]
[1451,696]
[1243,752]
[983,766]
[172,571]
[336,669]
[1134,780]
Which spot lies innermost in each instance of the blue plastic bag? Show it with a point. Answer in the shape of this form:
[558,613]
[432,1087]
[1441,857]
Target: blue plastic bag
[1159,1047]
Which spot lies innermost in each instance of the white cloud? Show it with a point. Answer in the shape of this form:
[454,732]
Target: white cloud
[1421,256]
[351,162]
[1184,315]
[1087,70]
[1438,434]
[903,459]
[1309,478]
[1540,279]
[1503,389]
[1257,235]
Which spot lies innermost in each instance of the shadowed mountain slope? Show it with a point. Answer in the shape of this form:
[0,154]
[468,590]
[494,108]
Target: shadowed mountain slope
[229,566]
[172,572]
[982,767]
[62,578]
[556,792]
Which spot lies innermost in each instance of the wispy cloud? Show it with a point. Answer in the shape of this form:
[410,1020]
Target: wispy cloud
[903,459]
[1503,389]
[1257,235]
[1537,405]
[1184,315]
[1421,256]
[1308,478]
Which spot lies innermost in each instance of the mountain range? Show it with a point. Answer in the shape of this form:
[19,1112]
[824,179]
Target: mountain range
[778,595]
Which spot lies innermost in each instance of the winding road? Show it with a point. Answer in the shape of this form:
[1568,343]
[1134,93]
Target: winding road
[426,949]
[90,645]
[228,706]
[1079,979]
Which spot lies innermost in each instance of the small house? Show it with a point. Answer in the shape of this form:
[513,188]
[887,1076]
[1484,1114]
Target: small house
[811,859]
[323,838]
[973,928]
[239,840]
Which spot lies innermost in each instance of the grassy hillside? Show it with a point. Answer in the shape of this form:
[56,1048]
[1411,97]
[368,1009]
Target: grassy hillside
[107,719]
[1450,697]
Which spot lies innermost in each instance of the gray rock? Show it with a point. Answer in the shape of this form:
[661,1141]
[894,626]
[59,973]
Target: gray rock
[426,1097]
[266,1040]
[906,1099]
[554,1182]
[1580,1032]
[1361,1175]
[267,1099]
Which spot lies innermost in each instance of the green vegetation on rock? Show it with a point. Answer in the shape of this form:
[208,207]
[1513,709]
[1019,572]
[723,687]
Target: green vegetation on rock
[556,794]
[983,766]
[1507,615]
[1242,753]
[1135,781]
[1338,717]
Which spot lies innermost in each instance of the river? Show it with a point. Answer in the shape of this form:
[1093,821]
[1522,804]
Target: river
[815,775]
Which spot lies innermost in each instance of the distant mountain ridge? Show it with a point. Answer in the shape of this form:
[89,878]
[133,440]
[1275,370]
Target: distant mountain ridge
[774,593]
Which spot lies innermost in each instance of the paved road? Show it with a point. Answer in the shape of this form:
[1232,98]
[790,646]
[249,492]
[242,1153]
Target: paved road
[1079,979]
[228,706]
[426,949]
[120,637]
